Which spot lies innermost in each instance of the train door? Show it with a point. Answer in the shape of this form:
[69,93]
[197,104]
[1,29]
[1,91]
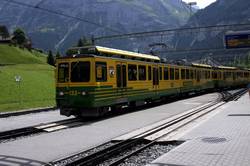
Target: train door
[121,75]
[155,78]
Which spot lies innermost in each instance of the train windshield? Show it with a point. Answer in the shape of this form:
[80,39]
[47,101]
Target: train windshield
[80,71]
[63,72]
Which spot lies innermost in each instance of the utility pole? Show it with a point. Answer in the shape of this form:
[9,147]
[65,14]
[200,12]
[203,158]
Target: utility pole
[18,80]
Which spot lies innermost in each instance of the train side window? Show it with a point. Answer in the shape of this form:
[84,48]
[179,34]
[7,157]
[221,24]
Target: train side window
[149,73]
[214,75]
[132,72]
[245,75]
[165,73]
[187,74]
[171,73]
[234,76]
[203,76]
[206,74]
[183,75]
[63,72]
[142,72]
[101,71]
[177,77]
[80,72]
[191,74]
[160,72]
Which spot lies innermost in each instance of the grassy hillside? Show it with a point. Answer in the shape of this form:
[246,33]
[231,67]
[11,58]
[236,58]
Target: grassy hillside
[15,55]
[36,88]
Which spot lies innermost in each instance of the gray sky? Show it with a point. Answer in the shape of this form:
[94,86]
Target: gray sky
[201,3]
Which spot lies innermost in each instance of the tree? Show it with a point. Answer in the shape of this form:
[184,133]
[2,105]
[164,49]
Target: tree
[58,54]
[80,43]
[19,36]
[28,44]
[50,59]
[84,42]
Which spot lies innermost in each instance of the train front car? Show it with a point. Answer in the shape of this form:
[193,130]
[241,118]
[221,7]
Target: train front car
[76,77]
[93,79]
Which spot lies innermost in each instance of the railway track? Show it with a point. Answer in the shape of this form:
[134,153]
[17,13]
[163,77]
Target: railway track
[115,150]
[41,128]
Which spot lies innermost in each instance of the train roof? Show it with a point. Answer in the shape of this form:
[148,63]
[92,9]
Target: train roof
[237,32]
[99,50]
[201,65]
[227,67]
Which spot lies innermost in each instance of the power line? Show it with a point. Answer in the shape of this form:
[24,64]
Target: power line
[39,3]
[37,6]
[179,51]
[173,31]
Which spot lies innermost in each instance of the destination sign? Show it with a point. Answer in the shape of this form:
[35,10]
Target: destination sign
[237,40]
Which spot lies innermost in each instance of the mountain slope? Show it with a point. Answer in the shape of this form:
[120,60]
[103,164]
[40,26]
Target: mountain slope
[221,12]
[51,31]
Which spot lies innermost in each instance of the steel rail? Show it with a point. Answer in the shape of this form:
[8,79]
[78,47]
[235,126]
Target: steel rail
[152,142]
[104,154]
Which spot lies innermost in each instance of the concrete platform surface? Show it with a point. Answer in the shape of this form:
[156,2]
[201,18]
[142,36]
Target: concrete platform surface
[16,122]
[47,147]
[223,140]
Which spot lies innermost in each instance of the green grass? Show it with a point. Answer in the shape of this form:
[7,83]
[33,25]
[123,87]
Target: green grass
[15,55]
[37,86]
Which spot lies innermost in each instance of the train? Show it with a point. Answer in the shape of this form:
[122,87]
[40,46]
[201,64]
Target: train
[94,80]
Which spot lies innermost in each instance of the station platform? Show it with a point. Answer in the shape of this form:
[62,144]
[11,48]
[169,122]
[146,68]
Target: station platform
[223,140]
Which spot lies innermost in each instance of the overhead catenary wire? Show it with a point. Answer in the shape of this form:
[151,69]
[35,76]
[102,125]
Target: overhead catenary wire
[173,51]
[174,31]
[136,34]
[38,7]
[39,3]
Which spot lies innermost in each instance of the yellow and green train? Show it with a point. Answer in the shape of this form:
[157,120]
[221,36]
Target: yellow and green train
[95,79]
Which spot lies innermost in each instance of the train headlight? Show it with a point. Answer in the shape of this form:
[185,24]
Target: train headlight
[61,93]
[84,93]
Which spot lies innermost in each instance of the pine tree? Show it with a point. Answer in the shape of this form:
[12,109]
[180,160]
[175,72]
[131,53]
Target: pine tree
[50,59]
[19,36]
[83,42]
[58,55]
[80,43]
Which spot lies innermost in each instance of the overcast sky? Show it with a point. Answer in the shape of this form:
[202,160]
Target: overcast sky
[201,3]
